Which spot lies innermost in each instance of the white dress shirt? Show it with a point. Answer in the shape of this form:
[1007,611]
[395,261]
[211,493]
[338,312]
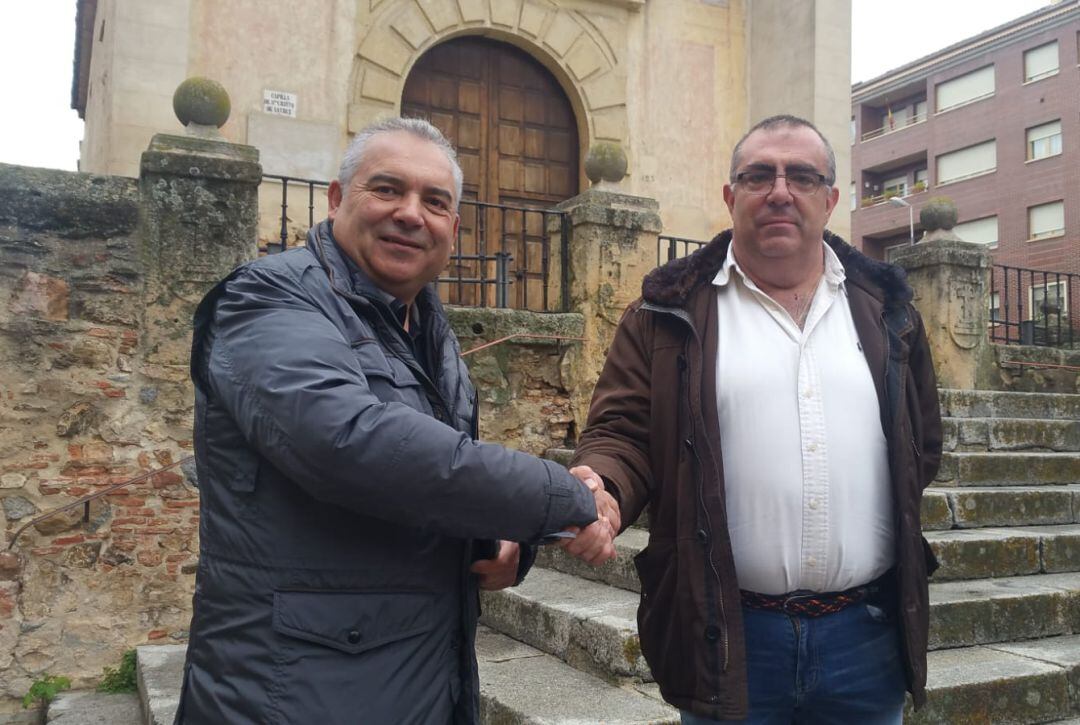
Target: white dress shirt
[806,469]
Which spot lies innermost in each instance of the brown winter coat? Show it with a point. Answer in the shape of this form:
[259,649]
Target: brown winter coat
[653,434]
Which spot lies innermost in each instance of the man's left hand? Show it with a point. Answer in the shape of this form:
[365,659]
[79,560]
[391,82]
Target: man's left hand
[500,572]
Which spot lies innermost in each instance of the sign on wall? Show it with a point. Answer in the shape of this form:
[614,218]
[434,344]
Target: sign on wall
[279,103]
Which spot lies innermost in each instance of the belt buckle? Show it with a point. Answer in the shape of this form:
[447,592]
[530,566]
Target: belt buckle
[794,597]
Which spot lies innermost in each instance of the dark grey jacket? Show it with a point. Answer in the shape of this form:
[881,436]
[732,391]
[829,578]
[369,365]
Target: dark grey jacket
[342,490]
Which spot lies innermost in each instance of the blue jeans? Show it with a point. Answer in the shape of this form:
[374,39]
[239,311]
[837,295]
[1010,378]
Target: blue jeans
[839,668]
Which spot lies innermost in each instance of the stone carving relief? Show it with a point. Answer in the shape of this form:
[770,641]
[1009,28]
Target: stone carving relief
[966,326]
[585,49]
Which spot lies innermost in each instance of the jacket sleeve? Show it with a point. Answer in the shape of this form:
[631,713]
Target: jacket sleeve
[615,442]
[922,369]
[291,382]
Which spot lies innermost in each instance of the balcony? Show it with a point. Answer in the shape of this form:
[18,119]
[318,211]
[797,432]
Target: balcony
[874,200]
[892,127]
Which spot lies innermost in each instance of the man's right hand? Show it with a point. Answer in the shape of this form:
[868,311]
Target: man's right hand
[595,544]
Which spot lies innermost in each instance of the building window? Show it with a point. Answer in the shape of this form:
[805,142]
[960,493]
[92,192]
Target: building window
[1046,220]
[1041,62]
[967,88]
[922,180]
[979,231]
[1048,300]
[995,306]
[896,186]
[1044,140]
[853,130]
[920,111]
[965,163]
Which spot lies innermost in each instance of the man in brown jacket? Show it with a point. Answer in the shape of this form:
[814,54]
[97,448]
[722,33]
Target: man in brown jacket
[772,401]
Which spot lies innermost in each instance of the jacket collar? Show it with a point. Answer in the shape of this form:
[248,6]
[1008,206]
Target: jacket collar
[674,283]
[348,279]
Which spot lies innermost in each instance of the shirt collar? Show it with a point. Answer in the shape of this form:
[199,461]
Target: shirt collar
[834,270]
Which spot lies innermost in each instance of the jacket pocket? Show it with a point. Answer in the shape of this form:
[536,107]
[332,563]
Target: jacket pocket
[932,563]
[367,656]
[389,379]
[351,622]
[661,626]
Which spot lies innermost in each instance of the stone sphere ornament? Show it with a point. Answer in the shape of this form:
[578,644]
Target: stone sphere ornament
[605,161]
[938,213]
[201,101]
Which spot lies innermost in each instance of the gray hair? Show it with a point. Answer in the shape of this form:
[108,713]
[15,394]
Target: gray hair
[786,121]
[354,152]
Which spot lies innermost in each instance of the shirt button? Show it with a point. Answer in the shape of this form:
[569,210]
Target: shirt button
[812,561]
[353,636]
[813,503]
[808,393]
[811,447]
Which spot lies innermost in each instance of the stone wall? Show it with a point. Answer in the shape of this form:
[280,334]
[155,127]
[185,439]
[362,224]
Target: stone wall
[80,412]
[1028,369]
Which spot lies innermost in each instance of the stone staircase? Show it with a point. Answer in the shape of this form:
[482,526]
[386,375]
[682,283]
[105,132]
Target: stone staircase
[1003,518]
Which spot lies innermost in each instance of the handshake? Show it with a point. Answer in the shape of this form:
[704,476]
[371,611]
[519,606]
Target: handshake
[594,544]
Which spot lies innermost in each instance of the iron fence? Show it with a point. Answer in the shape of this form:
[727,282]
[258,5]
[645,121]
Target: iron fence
[1034,307]
[669,248]
[283,240]
[505,256]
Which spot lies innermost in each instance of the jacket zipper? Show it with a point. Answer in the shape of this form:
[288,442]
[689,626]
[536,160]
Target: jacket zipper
[682,315]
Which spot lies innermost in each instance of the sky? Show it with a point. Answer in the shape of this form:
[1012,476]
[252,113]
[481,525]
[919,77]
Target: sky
[37,43]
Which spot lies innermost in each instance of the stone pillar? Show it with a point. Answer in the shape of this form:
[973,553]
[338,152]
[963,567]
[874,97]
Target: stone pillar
[199,201]
[951,280]
[613,239]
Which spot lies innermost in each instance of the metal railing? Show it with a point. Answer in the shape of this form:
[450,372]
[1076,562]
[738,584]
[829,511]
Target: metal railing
[283,242]
[1034,307]
[505,255]
[508,256]
[887,127]
[669,248]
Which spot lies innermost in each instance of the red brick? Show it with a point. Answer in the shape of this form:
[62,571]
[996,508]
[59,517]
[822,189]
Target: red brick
[125,520]
[68,540]
[47,490]
[77,491]
[99,332]
[167,478]
[176,557]
[182,504]
[157,634]
[115,393]
[75,450]
[46,550]
[158,530]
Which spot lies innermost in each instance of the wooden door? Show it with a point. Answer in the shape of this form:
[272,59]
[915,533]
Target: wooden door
[516,138]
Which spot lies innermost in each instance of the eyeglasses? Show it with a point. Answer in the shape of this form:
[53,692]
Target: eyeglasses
[800,183]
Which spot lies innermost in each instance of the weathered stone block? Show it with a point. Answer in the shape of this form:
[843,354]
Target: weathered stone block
[1011,506]
[1061,548]
[936,514]
[975,554]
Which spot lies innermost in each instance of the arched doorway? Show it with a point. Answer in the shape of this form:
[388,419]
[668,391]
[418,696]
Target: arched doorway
[517,142]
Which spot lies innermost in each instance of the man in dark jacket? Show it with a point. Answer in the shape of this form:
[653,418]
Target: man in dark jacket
[348,513]
[772,400]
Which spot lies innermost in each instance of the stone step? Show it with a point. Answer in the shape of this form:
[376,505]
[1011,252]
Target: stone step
[1008,469]
[1007,683]
[520,684]
[1010,434]
[160,670]
[999,552]
[89,707]
[589,625]
[970,507]
[997,404]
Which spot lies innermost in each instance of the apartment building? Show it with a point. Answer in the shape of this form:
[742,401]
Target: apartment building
[992,122]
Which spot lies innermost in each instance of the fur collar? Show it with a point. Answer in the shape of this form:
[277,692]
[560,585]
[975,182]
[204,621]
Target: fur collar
[672,284]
